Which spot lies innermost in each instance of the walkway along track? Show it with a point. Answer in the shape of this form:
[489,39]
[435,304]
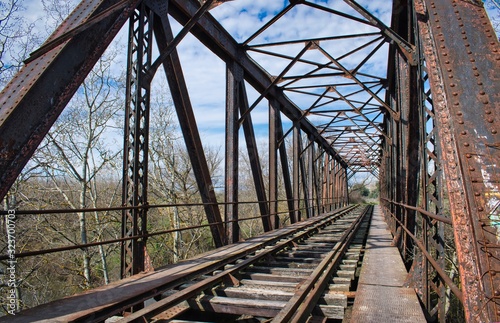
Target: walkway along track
[305,275]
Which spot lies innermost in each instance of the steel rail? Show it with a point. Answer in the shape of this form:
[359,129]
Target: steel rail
[194,290]
[307,294]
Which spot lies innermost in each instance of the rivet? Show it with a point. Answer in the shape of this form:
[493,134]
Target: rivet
[452,84]
[490,120]
[472,169]
[461,122]
[447,62]
[480,209]
[456,103]
[443,46]
[450,76]
[477,194]
[467,45]
[479,83]
[455,93]
[463,32]
[494,131]
[466,144]
[487,111]
[464,37]
[445,54]
[482,92]
[459,113]
[437,20]
[472,60]
[468,155]
[464,133]
[476,74]
[497,293]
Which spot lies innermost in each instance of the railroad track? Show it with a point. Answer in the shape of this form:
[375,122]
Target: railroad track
[304,275]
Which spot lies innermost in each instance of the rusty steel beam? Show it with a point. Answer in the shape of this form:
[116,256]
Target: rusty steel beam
[255,165]
[285,168]
[462,55]
[406,47]
[214,37]
[234,79]
[187,121]
[310,176]
[273,165]
[296,171]
[136,139]
[33,100]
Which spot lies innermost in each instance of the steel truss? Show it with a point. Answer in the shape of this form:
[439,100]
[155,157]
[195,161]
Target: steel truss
[427,127]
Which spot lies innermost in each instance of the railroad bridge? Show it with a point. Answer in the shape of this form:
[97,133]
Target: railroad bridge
[424,122]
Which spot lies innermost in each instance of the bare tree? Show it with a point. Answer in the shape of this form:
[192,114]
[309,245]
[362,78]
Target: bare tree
[78,152]
[17,39]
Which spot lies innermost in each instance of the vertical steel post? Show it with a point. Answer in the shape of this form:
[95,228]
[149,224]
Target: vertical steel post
[234,79]
[135,156]
[327,202]
[287,180]
[296,167]
[310,176]
[305,179]
[273,167]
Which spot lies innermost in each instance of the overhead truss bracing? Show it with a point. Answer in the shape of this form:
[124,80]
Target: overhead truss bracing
[424,121]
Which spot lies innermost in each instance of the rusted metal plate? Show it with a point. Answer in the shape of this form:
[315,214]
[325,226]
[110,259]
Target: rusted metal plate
[381,295]
[374,304]
[462,55]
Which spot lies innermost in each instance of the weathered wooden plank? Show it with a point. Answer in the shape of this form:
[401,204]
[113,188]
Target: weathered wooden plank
[329,311]
[335,299]
[346,274]
[348,267]
[271,277]
[227,305]
[264,284]
[256,293]
[281,271]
